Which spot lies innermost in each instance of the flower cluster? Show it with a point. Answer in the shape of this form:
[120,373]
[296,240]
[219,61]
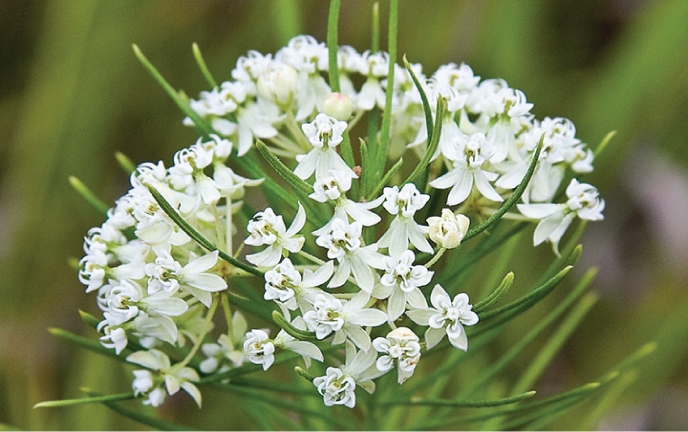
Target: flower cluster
[347,268]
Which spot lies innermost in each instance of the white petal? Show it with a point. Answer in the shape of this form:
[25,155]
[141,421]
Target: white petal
[340,275]
[439,298]
[193,391]
[421,316]
[358,336]
[204,263]
[485,187]
[297,224]
[396,304]
[205,281]
[433,336]
[461,189]
[305,349]
[367,317]
[319,277]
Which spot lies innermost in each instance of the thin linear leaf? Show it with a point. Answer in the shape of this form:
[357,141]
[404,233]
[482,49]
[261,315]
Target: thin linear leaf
[285,325]
[202,66]
[496,295]
[424,99]
[86,400]
[557,340]
[381,150]
[462,403]
[140,417]
[295,181]
[273,191]
[89,196]
[127,165]
[274,386]
[532,335]
[529,299]
[433,142]
[576,394]
[604,142]
[89,319]
[518,192]
[196,236]
[201,124]
[385,179]
[333,45]
[277,402]
[87,343]
[375,27]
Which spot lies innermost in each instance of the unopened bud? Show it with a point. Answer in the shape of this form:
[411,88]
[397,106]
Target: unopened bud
[338,105]
[449,229]
[278,83]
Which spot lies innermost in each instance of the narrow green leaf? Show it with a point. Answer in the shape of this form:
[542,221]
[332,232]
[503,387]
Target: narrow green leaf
[563,332]
[86,343]
[201,64]
[381,150]
[604,142]
[529,299]
[89,196]
[251,306]
[196,236]
[461,403]
[496,295]
[281,169]
[140,417]
[577,394]
[274,386]
[366,168]
[127,165]
[533,334]
[433,142]
[515,196]
[285,325]
[423,98]
[86,400]
[629,362]
[273,191]
[201,124]
[614,392]
[88,319]
[333,44]
[385,179]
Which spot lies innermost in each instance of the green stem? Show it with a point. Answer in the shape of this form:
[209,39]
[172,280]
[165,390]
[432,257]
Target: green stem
[207,326]
[436,258]
[201,64]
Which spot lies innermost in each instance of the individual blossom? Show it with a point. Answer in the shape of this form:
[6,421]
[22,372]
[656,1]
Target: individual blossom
[338,385]
[150,384]
[266,228]
[329,315]
[333,188]
[404,279]
[404,204]
[284,283]
[583,201]
[259,348]
[401,348]
[343,243]
[470,158]
[449,229]
[324,134]
[447,316]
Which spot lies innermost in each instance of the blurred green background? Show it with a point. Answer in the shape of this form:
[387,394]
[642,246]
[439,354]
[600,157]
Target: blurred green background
[72,93]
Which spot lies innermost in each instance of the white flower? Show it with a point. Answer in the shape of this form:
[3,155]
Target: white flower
[400,347]
[324,133]
[284,283]
[447,317]
[404,278]
[468,157]
[584,202]
[307,349]
[196,279]
[259,348]
[449,229]
[404,203]
[148,384]
[343,243]
[336,388]
[345,320]
[339,384]
[268,229]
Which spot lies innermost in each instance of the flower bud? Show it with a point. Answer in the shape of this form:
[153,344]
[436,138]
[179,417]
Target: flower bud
[338,105]
[448,230]
[278,83]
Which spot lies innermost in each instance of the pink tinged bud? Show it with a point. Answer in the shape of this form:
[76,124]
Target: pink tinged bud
[339,106]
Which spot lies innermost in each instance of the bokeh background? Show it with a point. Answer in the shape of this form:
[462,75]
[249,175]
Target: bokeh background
[72,93]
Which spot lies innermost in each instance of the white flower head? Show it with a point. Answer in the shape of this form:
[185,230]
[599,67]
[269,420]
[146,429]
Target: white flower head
[173,379]
[405,279]
[324,133]
[449,229]
[336,388]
